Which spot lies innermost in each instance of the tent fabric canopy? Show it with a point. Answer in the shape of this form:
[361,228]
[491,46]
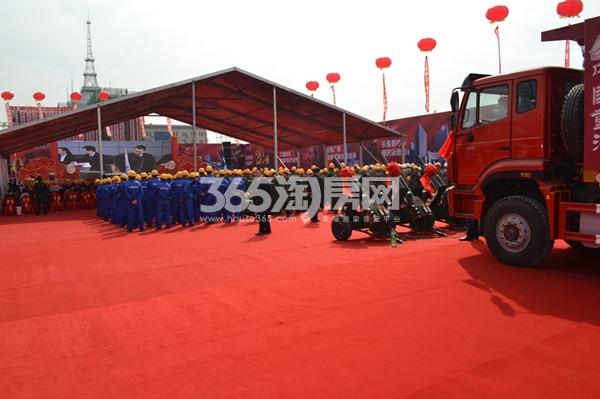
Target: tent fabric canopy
[232,102]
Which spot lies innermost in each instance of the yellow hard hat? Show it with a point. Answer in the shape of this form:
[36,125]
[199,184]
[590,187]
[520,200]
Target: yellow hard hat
[184,173]
[201,170]
[138,177]
[164,176]
[131,173]
[97,181]
[154,172]
[144,175]
[116,179]
[209,169]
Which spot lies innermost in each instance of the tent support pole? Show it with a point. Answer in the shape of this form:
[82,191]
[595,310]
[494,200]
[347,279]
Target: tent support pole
[194,125]
[4,180]
[275,151]
[360,154]
[344,137]
[100,151]
[403,150]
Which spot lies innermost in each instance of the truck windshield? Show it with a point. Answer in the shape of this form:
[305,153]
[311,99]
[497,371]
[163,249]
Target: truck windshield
[470,114]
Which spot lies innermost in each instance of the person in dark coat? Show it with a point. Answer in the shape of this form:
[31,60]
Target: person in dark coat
[142,161]
[65,156]
[41,196]
[92,157]
[266,185]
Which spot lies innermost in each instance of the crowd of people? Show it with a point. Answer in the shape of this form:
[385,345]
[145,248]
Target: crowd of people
[35,195]
[140,201]
[144,200]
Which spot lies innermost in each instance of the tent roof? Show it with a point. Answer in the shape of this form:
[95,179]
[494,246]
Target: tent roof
[232,102]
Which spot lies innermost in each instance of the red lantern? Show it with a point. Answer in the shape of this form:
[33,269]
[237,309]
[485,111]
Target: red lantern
[103,95]
[312,85]
[7,95]
[39,96]
[75,97]
[569,8]
[333,77]
[383,62]
[497,14]
[427,44]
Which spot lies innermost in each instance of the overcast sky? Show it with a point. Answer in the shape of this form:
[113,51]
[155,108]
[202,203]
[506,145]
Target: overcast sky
[144,44]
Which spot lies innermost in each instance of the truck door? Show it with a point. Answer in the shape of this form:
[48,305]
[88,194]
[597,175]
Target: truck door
[483,135]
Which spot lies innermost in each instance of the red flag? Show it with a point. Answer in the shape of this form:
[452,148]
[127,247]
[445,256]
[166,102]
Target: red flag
[447,148]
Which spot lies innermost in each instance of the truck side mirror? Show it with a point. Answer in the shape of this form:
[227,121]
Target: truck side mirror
[454,105]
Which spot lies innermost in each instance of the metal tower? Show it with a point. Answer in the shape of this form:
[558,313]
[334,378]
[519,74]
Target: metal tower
[90,82]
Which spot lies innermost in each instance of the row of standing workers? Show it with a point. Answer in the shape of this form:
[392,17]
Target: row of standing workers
[137,201]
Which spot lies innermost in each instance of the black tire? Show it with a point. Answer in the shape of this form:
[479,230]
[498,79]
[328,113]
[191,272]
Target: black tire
[341,229]
[525,238]
[571,123]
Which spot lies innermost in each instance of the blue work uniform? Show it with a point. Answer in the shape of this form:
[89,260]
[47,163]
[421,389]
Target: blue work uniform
[177,201]
[150,213]
[208,198]
[164,195]
[235,201]
[186,204]
[133,194]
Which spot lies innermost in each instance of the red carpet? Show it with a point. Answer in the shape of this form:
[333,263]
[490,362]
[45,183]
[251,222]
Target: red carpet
[89,311]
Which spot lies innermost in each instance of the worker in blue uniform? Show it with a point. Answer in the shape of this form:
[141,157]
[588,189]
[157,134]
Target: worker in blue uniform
[196,194]
[224,213]
[163,202]
[113,193]
[238,189]
[133,194]
[208,198]
[150,200]
[186,211]
[176,201]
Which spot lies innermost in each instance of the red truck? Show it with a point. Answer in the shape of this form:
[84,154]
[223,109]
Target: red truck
[526,157]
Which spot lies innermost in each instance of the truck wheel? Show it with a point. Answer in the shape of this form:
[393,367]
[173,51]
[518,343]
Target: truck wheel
[516,230]
[571,123]
[341,228]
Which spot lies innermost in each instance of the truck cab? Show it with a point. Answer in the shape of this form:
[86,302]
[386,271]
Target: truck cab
[520,161]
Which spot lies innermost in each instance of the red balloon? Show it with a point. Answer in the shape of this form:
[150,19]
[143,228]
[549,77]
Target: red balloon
[39,96]
[312,85]
[75,96]
[333,77]
[7,95]
[103,95]
[383,62]
[569,8]
[497,14]
[427,44]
